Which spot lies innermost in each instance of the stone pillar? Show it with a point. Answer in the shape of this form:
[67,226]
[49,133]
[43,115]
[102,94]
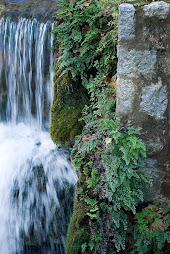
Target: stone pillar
[143,85]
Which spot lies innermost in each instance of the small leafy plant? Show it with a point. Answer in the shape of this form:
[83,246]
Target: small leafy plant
[152,230]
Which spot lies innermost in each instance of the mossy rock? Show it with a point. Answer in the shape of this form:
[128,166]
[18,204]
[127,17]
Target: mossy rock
[42,10]
[68,103]
[78,232]
[1,9]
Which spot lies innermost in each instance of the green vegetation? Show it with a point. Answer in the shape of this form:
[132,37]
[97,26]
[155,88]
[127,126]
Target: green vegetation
[109,161]
[108,157]
[151,232]
[85,43]
[68,103]
[86,38]
[78,231]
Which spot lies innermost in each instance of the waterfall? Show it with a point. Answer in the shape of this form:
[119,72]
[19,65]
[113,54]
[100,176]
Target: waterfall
[36,179]
[27,66]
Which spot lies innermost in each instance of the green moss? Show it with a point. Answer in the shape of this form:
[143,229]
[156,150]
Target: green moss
[78,232]
[1,9]
[68,103]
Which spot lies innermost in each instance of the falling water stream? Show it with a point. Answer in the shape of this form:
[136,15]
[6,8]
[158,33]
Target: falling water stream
[36,179]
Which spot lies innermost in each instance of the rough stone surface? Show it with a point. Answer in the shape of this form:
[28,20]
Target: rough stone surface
[134,63]
[126,21]
[143,85]
[154,100]
[125,90]
[165,64]
[157,175]
[154,145]
[157,9]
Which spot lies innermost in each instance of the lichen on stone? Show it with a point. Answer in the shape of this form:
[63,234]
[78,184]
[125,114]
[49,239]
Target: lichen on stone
[154,100]
[157,9]
[134,63]
[126,21]
[125,96]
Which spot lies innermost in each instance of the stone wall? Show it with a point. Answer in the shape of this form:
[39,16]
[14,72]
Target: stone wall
[143,86]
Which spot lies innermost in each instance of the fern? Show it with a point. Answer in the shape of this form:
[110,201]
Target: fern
[152,229]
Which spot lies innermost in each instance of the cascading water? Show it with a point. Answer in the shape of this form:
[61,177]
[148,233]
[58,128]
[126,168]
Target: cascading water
[36,180]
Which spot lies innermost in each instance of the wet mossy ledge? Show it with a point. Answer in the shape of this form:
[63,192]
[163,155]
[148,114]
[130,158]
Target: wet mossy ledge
[68,103]
[1,9]
[42,10]
[78,232]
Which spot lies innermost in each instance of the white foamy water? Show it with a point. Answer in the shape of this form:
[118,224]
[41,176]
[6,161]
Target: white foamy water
[36,180]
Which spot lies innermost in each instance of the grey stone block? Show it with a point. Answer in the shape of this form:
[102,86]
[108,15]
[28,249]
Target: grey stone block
[125,96]
[157,9]
[126,22]
[154,100]
[133,63]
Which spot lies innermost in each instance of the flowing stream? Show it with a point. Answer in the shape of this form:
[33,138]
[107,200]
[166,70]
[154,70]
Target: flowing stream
[36,179]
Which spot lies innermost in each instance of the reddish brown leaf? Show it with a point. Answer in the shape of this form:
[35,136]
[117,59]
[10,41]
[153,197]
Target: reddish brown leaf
[113,84]
[87,3]
[166,204]
[87,177]
[111,96]
[86,137]
[68,14]
[151,229]
[160,225]
[56,55]
[107,79]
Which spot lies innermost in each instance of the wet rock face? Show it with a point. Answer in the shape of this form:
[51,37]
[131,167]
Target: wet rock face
[20,1]
[143,86]
[42,10]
